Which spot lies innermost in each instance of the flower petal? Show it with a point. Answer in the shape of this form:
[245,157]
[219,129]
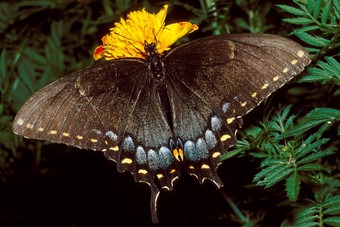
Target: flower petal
[98,53]
[172,32]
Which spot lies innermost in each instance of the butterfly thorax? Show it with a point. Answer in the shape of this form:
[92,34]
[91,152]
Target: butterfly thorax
[154,61]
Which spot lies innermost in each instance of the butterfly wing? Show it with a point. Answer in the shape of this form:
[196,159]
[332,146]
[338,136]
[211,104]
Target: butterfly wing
[215,81]
[112,107]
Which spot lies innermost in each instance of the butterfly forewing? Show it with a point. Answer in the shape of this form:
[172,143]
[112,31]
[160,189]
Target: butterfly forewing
[249,70]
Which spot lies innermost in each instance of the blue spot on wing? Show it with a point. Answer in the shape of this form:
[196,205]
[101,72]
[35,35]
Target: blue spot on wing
[165,157]
[141,156]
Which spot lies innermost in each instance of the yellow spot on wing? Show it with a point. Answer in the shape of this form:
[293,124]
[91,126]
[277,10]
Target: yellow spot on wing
[300,53]
[191,167]
[173,170]
[285,70]
[126,161]
[254,95]
[81,90]
[159,176]
[229,120]
[41,129]
[232,48]
[294,62]
[225,137]
[143,171]
[106,142]
[29,126]
[20,121]
[104,149]
[79,137]
[53,132]
[116,148]
[244,104]
[264,86]
[94,140]
[205,166]
[66,134]
[276,78]
[216,154]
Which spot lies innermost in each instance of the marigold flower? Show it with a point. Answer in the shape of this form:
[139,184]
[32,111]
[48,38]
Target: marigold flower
[128,37]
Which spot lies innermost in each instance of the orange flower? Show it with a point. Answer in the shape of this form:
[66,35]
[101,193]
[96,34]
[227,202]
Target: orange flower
[128,37]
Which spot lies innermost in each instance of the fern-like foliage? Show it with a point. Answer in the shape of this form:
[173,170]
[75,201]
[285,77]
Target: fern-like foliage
[328,71]
[296,149]
[316,15]
[319,212]
[321,20]
[286,156]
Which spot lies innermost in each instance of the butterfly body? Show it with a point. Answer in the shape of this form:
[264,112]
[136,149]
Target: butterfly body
[157,116]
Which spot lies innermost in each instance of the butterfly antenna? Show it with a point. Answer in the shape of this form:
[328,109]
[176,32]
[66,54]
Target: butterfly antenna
[138,49]
[129,40]
[155,35]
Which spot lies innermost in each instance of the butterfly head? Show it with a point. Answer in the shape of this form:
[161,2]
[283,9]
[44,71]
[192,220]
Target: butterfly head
[135,36]
[151,49]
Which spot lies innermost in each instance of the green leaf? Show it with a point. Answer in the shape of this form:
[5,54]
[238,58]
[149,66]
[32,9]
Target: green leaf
[320,75]
[332,201]
[305,29]
[293,186]
[310,6]
[314,118]
[292,10]
[265,171]
[31,53]
[329,71]
[301,128]
[310,167]
[27,74]
[312,40]
[324,114]
[307,212]
[332,221]
[332,211]
[298,20]
[44,77]
[336,10]
[308,147]
[325,12]
[36,4]
[309,223]
[3,65]
[56,32]
[315,156]
[317,7]
[277,175]
[231,154]
[334,63]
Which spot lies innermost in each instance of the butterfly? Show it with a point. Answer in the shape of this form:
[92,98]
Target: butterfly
[167,113]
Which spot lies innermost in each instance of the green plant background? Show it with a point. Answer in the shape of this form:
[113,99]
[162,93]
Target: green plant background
[284,171]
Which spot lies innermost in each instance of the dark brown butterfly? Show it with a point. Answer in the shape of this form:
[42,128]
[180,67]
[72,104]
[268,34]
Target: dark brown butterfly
[157,116]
